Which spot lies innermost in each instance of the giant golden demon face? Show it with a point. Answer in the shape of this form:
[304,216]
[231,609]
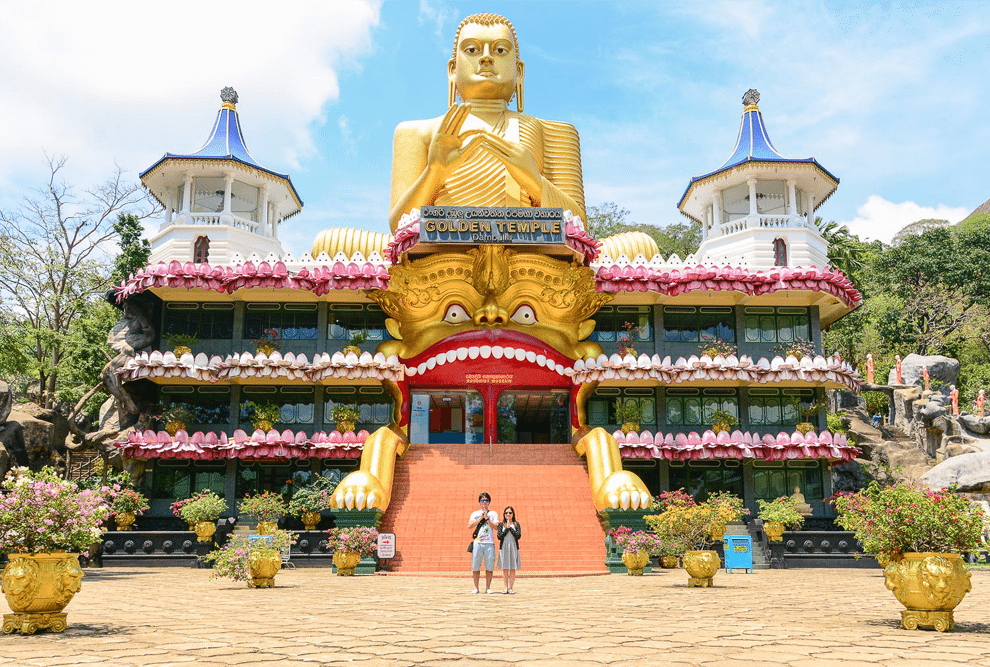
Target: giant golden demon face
[491,289]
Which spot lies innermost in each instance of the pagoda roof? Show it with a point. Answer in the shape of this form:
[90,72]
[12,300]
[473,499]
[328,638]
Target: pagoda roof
[226,142]
[753,145]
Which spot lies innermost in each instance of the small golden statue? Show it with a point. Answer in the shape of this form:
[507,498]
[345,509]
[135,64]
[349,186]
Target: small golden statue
[481,153]
[800,504]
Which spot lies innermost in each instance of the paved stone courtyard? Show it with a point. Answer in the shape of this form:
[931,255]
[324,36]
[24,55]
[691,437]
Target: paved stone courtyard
[799,618]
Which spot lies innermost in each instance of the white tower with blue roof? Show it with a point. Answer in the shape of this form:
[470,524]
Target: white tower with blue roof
[219,201]
[758,208]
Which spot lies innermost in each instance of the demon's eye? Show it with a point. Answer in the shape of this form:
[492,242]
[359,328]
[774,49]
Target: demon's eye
[456,314]
[524,315]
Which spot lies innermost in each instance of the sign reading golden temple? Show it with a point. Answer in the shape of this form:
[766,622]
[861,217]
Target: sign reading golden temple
[492,224]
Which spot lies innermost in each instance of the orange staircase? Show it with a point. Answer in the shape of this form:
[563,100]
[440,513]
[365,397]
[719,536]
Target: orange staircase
[436,489]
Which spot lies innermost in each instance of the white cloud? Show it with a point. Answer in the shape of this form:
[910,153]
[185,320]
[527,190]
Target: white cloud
[133,82]
[879,219]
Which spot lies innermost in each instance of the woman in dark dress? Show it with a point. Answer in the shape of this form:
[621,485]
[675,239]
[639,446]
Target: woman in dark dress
[508,551]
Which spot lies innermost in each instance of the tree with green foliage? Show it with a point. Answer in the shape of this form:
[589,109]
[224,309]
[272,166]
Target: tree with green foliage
[844,248]
[54,265]
[607,220]
[134,248]
[679,238]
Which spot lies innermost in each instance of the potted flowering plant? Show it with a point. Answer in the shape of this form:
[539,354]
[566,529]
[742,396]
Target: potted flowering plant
[43,520]
[181,343]
[126,505]
[263,416]
[637,547]
[177,506]
[175,417]
[308,501]
[202,512]
[670,553]
[349,544]
[779,514]
[629,338]
[356,340]
[714,347]
[797,348]
[346,417]
[267,508]
[808,411]
[268,342]
[723,420]
[254,559]
[628,413]
[923,532]
[671,499]
[729,508]
[691,526]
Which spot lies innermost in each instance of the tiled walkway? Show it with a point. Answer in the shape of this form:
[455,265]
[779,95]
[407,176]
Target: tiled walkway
[800,618]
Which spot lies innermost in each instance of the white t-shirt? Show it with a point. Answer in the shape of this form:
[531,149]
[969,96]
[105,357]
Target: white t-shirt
[485,532]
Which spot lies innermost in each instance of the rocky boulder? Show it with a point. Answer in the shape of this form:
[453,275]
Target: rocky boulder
[943,369]
[43,431]
[971,472]
[6,401]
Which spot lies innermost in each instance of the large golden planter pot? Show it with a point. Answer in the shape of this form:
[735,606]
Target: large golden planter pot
[263,425]
[352,349]
[930,585]
[267,527]
[346,561]
[310,519]
[204,530]
[630,427]
[264,564]
[38,588]
[180,350]
[668,562]
[124,520]
[635,561]
[174,427]
[804,427]
[774,531]
[717,532]
[346,425]
[701,567]
[265,349]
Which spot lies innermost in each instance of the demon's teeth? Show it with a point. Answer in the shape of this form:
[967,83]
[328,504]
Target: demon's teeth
[531,356]
[474,351]
[486,351]
[510,353]
[462,353]
[451,355]
[421,368]
[438,360]
[541,359]
[498,351]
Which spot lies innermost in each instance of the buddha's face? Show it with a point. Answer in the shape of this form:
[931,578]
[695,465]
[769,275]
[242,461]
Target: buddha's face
[485,66]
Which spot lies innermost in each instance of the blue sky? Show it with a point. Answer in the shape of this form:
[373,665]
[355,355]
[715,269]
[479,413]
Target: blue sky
[889,97]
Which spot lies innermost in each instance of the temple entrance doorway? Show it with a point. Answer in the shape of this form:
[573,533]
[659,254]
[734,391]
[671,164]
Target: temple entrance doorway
[536,416]
[447,417]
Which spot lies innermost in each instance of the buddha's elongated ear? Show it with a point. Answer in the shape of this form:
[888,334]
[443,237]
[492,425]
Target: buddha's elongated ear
[520,75]
[451,83]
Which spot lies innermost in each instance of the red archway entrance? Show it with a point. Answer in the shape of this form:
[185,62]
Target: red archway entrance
[517,379]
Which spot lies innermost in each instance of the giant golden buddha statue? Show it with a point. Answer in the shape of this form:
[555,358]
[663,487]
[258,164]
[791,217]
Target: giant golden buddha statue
[479,153]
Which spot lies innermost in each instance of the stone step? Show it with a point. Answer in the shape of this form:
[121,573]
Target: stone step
[436,489]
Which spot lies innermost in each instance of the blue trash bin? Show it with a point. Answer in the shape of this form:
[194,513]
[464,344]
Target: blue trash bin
[738,552]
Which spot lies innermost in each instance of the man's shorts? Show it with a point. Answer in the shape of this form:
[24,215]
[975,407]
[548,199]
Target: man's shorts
[486,551]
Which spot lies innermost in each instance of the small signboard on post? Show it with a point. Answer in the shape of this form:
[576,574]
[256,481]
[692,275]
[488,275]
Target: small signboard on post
[386,545]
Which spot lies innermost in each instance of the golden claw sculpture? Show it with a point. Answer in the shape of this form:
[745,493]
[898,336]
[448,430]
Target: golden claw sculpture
[611,486]
[370,487]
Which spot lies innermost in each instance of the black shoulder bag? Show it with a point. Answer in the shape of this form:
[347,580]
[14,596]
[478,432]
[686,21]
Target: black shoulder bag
[476,530]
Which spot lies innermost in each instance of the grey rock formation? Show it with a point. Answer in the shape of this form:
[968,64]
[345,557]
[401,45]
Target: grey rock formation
[44,432]
[975,423]
[6,401]
[971,472]
[943,369]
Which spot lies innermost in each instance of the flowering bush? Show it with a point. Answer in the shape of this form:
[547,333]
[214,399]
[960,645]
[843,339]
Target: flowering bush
[41,513]
[632,542]
[713,347]
[632,335]
[128,500]
[353,540]
[267,506]
[688,525]
[798,348]
[177,506]
[903,518]
[268,338]
[850,508]
[231,560]
[313,498]
[266,411]
[730,507]
[207,506]
[670,499]
[782,510]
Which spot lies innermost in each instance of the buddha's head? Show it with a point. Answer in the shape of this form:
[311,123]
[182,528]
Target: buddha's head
[485,64]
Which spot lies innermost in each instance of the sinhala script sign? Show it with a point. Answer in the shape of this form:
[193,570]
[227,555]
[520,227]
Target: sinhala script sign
[491,224]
